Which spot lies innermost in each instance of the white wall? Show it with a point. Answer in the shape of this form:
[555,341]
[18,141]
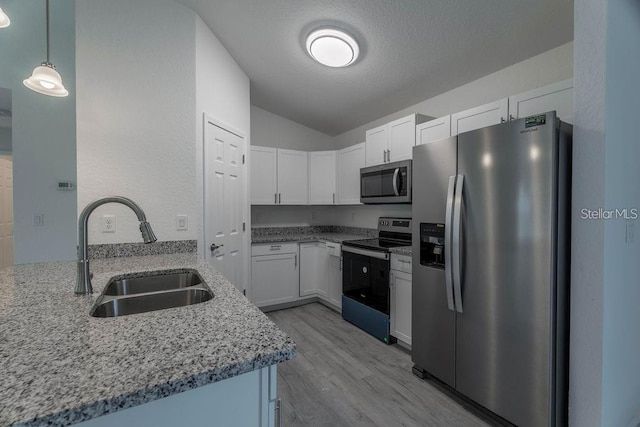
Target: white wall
[605,343]
[44,137]
[136,106]
[271,130]
[621,357]
[283,216]
[222,92]
[585,372]
[549,67]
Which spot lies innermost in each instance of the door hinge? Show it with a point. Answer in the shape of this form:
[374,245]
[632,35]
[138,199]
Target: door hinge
[243,159]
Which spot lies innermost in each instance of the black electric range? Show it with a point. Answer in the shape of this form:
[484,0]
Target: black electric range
[365,276]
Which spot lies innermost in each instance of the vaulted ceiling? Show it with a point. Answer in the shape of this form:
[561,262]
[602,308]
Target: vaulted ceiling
[411,50]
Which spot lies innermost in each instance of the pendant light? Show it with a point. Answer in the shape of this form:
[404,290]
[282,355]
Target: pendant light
[45,79]
[4,19]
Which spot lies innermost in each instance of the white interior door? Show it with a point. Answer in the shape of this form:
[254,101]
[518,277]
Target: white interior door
[224,198]
[6,212]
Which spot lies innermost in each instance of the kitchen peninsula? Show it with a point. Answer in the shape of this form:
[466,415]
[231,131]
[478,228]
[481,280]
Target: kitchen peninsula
[60,366]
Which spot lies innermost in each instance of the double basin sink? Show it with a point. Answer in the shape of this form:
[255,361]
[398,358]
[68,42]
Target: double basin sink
[159,290]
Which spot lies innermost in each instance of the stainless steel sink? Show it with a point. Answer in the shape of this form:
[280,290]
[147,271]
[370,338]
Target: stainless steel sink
[157,291]
[152,283]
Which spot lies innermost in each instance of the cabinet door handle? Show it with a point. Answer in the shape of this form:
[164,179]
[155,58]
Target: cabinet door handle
[388,155]
[275,247]
[295,261]
[275,198]
[279,198]
[277,409]
[334,198]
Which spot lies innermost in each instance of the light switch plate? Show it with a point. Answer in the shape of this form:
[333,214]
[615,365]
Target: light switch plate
[182,223]
[38,220]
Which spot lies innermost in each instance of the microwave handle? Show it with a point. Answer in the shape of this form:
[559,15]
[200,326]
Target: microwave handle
[395,181]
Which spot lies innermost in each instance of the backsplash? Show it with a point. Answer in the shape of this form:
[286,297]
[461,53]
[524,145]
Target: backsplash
[115,250]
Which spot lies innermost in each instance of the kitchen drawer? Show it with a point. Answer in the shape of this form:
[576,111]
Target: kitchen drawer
[401,263]
[274,248]
[334,249]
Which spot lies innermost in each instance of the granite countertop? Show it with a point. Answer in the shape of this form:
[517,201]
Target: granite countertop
[61,366]
[329,237]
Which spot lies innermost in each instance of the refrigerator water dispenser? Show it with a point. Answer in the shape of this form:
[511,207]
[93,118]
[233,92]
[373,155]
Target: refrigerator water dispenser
[432,245]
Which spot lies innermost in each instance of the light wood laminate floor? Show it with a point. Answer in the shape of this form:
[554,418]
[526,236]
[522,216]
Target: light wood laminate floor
[344,377]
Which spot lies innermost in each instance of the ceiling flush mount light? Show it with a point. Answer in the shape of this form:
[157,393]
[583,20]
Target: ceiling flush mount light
[45,79]
[4,19]
[332,47]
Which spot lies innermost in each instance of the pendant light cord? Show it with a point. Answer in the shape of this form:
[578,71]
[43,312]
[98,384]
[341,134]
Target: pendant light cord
[48,62]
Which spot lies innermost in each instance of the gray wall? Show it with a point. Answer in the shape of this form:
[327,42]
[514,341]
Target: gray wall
[5,139]
[605,343]
[44,130]
[621,364]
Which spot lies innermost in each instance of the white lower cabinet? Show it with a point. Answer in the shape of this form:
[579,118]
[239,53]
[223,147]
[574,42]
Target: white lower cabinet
[401,298]
[274,274]
[313,269]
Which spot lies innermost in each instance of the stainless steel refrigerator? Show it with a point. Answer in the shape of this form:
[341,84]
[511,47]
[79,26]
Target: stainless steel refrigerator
[490,266]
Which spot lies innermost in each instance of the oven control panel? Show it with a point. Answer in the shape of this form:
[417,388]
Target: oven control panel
[396,225]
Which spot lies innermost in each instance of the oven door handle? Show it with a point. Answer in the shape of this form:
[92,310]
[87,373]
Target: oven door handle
[372,254]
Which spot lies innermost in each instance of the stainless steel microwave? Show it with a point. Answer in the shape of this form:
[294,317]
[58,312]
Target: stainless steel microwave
[387,183]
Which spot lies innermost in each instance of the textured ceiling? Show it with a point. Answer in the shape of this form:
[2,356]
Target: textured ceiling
[411,50]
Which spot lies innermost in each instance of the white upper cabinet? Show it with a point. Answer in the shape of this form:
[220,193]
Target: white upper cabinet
[278,177]
[486,115]
[322,178]
[292,177]
[433,130]
[349,162]
[557,96]
[264,184]
[377,141]
[394,141]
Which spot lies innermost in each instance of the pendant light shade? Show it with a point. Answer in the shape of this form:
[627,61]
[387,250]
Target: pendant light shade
[4,19]
[45,79]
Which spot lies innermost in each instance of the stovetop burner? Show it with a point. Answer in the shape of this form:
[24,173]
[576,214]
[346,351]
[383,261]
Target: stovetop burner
[393,233]
[376,244]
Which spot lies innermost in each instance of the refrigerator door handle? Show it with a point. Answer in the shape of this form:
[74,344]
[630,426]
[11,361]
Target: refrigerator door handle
[456,244]
[395,181]
[447,244]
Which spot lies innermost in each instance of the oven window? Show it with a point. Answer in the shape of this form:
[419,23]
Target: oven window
[366,280]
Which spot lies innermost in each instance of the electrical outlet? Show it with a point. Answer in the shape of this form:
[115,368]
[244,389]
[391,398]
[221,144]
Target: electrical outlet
[38,220]
[108,223]
[314,215]
[182,223]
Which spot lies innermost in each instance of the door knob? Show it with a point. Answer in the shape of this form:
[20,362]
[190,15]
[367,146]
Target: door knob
[215,247]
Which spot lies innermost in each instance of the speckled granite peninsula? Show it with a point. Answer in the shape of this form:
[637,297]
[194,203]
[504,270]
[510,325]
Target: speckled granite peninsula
[60,366]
